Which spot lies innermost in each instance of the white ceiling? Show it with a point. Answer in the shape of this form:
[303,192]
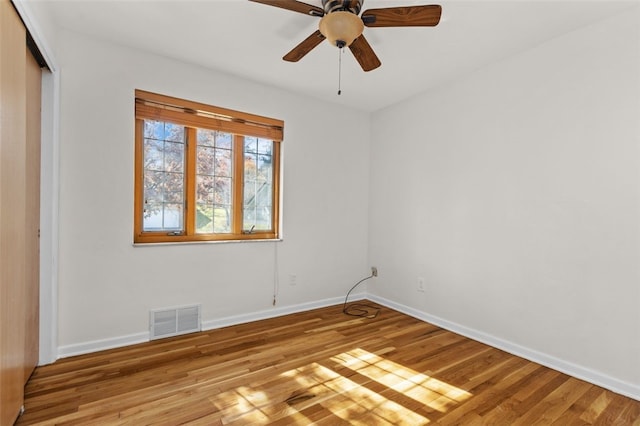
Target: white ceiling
[249,39]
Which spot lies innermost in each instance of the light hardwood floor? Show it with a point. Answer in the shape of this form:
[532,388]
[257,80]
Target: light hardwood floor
[317,367]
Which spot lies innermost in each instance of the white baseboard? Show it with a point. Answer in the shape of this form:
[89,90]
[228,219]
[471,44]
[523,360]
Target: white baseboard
[275,312]
[132,339]
[577,371]
[102,344]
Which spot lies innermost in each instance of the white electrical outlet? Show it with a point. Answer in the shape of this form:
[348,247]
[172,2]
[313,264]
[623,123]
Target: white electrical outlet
[293,279]
[374,271]
[420,284]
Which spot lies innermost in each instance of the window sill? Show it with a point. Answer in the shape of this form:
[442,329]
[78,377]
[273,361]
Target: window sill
[188,243]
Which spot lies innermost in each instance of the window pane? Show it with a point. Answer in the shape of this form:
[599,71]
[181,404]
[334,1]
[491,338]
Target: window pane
[153,154]
[250,144]
[163,217]
[265,146]
[224,140]
[154,129]
[223,162]
[205,164]
[258,185]
[213,219]
[174,132]
[206,138]
[163,179]
[265,168]
[174,157]
[214,183]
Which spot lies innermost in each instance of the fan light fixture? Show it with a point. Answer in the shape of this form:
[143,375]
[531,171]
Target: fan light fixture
[341,28]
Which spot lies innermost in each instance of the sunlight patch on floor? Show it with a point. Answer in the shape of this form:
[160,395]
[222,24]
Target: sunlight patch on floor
[352,401]
[319,390]
[420,387]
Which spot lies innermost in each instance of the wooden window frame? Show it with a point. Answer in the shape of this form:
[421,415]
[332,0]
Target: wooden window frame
[193,115]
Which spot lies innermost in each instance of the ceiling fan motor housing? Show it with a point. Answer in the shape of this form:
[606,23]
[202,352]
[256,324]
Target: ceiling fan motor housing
[331,6]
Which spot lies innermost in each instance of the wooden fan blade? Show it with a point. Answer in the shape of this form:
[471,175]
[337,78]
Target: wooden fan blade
[305,47]
[409,16]
[296,6]
[364,54]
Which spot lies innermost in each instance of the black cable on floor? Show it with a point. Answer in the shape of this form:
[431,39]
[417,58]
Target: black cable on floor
[360,309]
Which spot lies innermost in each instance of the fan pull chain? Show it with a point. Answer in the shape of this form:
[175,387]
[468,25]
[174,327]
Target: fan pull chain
[340,71]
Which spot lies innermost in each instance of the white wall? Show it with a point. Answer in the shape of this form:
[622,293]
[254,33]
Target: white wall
[515,194]
[107,286]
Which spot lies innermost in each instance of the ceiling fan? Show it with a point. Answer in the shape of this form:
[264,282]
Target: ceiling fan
[341,24]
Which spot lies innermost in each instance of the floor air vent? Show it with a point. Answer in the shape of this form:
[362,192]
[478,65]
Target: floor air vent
[174,321]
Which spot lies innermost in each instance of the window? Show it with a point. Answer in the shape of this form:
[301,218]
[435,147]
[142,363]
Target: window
[204,173]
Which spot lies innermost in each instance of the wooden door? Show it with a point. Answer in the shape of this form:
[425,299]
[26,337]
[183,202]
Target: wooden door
[32,232]
[12,212]
[20,86]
